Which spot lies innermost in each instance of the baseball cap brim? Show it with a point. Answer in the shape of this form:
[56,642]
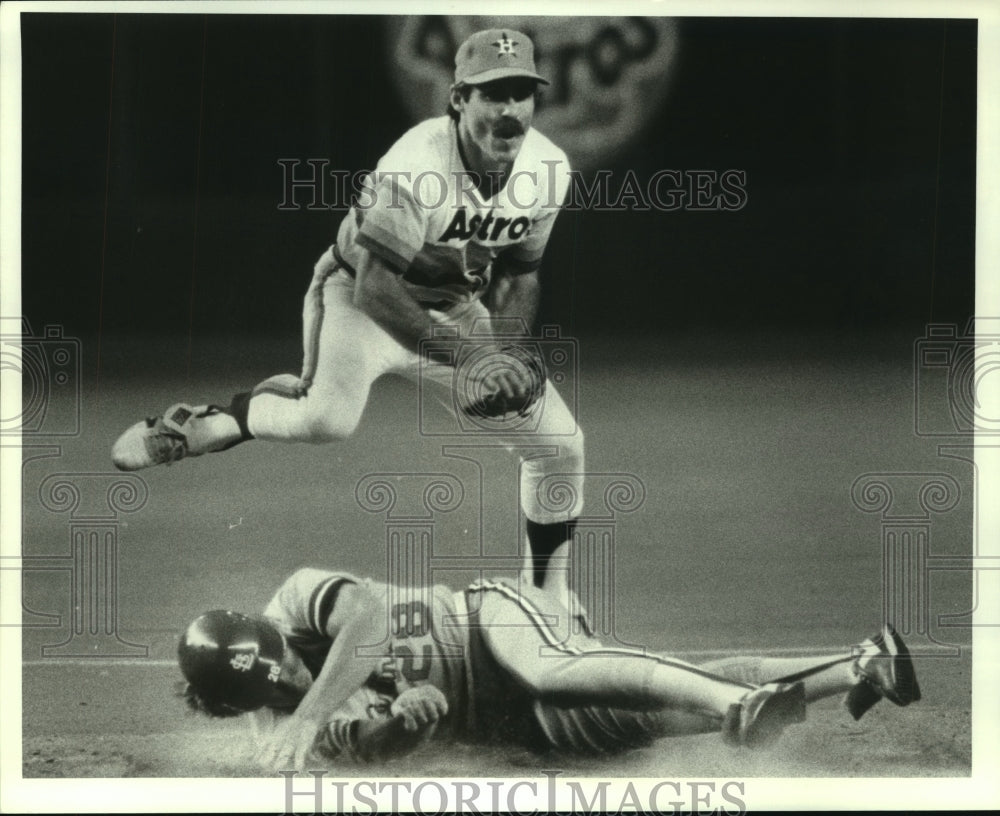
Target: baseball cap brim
[501,73]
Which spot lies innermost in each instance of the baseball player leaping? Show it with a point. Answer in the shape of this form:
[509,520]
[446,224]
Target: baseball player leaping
[349,669]
[449,229]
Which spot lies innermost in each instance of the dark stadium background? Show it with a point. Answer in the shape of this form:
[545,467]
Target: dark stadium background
[857,137]
[746,366]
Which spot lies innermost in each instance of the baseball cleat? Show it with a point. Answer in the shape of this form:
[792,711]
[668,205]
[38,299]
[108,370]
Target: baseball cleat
[162,440]
[763,713]
[885,669]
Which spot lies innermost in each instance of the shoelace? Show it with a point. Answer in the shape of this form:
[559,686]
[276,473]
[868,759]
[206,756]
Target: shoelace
[165,446]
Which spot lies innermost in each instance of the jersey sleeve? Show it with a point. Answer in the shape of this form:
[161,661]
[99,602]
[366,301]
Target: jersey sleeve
[303,604]
[526,256]
[391,218]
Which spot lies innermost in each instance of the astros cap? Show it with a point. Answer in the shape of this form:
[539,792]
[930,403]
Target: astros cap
[495,54]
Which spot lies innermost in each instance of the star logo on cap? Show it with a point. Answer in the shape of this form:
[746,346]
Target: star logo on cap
[505,46]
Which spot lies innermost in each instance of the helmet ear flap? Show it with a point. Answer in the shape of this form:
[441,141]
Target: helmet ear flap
[231,662]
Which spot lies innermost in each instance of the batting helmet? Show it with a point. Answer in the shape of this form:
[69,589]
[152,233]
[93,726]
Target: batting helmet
[231,661]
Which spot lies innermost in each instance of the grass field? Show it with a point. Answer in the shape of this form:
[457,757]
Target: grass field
[747,541]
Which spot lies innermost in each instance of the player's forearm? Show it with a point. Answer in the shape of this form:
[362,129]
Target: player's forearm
[373,740]
[379,292]
[515,296]
[343,671]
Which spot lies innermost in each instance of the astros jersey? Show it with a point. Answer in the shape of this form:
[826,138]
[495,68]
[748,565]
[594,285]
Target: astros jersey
[419,212]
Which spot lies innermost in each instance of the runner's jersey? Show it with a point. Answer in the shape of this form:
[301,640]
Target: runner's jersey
[424,644]
[301,608]
[430,639]
[419,213]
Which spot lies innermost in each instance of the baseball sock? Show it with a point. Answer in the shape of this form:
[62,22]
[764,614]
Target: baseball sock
[229,424]
[822,676]
[239,408]
[544,539]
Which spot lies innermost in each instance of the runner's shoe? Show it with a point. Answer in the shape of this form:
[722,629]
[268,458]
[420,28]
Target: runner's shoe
[885,669]
[763,713]
[163,440]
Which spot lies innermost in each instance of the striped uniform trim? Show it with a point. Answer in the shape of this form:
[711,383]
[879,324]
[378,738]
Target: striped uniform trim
[802,675]
[322,601]
[313,316]
[470,620]
[553,640]
[278,389]
[386,246]
[341,263]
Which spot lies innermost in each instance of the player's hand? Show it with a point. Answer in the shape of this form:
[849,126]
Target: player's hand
[420,707]
[506,379]
[288,747]
[509,378]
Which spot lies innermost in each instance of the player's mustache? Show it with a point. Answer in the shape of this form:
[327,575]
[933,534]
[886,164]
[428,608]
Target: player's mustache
[508,129]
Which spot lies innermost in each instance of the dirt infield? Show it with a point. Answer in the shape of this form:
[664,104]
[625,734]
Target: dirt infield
[139,731]
[747,540]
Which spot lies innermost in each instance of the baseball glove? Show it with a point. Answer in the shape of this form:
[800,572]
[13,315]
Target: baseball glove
[515,375]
